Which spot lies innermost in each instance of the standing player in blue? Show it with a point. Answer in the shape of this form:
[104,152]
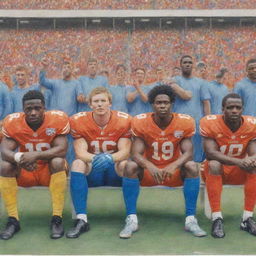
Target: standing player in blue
[102,144]
[197,106]
[137,94]
[118,90]
[218,91]
[64,95]
[246,88]
[21,88]
[91,81]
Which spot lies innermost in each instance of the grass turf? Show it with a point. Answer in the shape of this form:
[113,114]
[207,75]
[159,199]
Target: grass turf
[161,219]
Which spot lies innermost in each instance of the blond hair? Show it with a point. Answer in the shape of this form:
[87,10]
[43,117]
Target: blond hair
[99,90]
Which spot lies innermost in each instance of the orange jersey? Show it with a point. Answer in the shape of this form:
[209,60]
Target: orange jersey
[98,139]
[230,143]
[15,126]
[163,146]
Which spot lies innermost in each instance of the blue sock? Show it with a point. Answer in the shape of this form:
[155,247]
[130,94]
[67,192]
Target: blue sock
[191,189]
[79,191]
[131,189]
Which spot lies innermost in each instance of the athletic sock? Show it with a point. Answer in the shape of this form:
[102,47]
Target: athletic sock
[247,214]
[57,187]
[131,189]
[190,191]
[79,192]
[216,215]
[9,190]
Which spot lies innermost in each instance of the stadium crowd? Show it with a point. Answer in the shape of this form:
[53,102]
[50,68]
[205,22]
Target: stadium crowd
[127,4]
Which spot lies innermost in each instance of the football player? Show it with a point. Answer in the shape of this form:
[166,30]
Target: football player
[33,153]
[162,154]
[230,147]
[102,145]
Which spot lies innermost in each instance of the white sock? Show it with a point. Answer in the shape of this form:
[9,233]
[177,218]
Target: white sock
[246,215]
[189,219]
[216,215]
[82,217]
[133,217]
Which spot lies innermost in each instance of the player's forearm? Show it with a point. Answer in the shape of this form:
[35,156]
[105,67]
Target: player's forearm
[141,161]
[207,107]
[57,151]
[223,159]
[143,96]
[183,94]
[121,155]
[85,156]
[185,157]
[44,81]
[8,155]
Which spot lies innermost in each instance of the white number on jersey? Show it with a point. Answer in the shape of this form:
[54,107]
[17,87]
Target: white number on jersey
[233,150]
[141,116]
[38,147]
[122,114]
[105,144]
[56,112]
[166,151]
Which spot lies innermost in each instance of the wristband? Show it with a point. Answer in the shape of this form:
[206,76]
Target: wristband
[17,156]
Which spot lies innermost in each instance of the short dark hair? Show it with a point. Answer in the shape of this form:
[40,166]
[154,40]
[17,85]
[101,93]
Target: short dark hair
[185,56]
[118,66]
[33,95]
[161,89]
[142,69]
[250,61]
[233,96]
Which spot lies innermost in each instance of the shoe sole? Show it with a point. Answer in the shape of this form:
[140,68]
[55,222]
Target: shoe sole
[127,237]
[247,230]
[203,235]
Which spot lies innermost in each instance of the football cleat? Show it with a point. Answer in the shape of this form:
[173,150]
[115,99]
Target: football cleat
[12,227]
[218,228]
[57,230]
[80,227]
[249,225]
[193,227]
[130,227]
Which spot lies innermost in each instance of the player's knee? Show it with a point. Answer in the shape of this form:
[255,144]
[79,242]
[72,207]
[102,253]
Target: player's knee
[131,169]
[57,164]
[7,169]
[78,166]
[215,167]
[191,169]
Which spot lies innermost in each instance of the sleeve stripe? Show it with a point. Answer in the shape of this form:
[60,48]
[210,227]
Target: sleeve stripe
[203,132]
[66,129]
[5,133]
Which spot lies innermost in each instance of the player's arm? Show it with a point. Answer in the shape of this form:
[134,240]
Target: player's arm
[58,149]
[250,160]
[124,149]
[47,83]
[81,150]
[186,148]
[206,107]
[8,147]
[138,149]
[178,90]
[213,152]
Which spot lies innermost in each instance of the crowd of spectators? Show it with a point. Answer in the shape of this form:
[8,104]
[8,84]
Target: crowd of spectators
[143,48]
[127,4]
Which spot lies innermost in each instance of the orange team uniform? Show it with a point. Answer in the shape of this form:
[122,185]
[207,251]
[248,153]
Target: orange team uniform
[230,143]
[15,127]
[163,146]
[101,140]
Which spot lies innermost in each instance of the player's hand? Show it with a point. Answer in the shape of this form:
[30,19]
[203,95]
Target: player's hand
[102,162]
[28,158]
[248,164]
[168,171]
[29,167]
[45,62]
[168,81]
[156,174]
[81,98]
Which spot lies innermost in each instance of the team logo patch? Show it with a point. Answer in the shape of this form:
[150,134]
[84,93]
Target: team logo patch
[178,134]
[50,131]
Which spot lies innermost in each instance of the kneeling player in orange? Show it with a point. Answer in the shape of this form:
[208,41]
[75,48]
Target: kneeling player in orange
[230,147]
[162,155]
[41,139]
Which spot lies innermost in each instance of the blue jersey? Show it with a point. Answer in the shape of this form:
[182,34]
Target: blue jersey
[48,99]
[200,92]
[138,106]
[119,101]
[87,85]
[63,93]
[217,92]
[5,101]
[17,94]
[247,90]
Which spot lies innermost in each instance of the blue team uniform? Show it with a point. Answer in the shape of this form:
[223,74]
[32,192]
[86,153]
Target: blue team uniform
[247,90]
[17,94]
[5,101]
[193,107]
[138,106]
[218,92]
[119,101]
[87,85]
[63,97]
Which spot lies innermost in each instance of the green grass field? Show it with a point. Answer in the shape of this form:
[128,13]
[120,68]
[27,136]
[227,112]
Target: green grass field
[161,219]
